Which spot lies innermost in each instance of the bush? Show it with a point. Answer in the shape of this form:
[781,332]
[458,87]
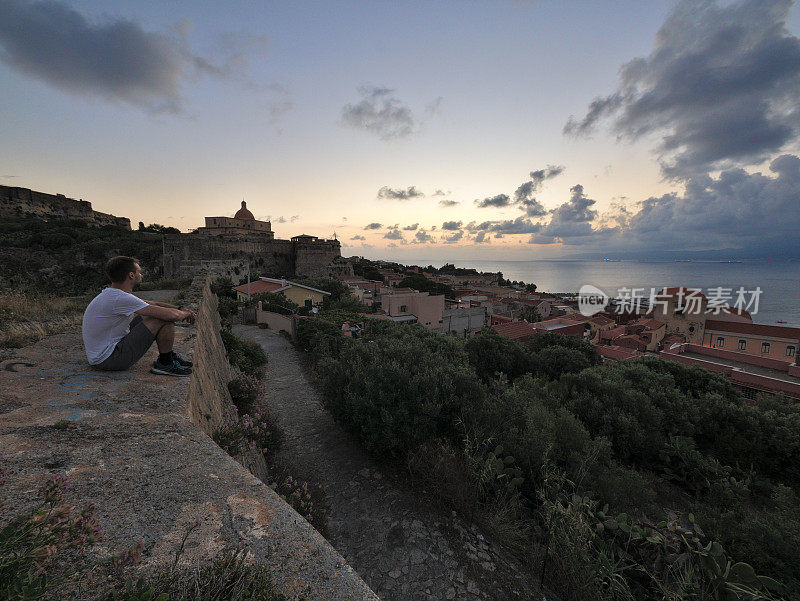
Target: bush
[491,353]
[245,391]
[228,307]
[247,356]
[406,390]
[247,432]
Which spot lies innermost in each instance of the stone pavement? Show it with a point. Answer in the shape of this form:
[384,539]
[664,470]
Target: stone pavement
[402,549]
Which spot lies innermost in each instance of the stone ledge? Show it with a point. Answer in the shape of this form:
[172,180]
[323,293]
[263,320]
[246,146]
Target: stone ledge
[131,448]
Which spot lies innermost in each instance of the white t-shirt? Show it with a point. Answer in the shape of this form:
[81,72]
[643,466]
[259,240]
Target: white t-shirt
[106,321]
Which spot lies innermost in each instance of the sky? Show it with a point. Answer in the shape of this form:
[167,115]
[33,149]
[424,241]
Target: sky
[502,130]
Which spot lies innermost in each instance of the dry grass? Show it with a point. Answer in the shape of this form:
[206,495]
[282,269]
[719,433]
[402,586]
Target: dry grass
[25,319]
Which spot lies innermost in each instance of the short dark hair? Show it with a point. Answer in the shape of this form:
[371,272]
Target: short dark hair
[118,268]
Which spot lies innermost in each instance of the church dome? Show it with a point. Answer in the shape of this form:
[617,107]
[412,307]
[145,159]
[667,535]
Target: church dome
[243,213]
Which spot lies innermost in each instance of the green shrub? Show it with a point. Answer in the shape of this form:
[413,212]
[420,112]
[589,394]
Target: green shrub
[245,390]
[401,392]
[228,307]
[247,356]
[491,353]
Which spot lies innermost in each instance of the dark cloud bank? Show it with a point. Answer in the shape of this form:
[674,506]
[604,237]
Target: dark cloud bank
[115,59]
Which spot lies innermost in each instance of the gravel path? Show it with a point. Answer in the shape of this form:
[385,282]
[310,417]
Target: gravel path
[404,551]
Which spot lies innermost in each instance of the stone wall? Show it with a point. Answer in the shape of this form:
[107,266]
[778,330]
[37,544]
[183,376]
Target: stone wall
[185,254]
[20,202]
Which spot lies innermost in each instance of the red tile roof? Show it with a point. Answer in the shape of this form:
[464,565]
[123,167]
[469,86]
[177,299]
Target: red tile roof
[259,286]
[755,329]
[516,330]
[612,333]
[601,320]
[650,324]
[617,353]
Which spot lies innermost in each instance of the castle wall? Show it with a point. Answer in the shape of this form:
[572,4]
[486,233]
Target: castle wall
[19,202]
[312,259]
[185,254]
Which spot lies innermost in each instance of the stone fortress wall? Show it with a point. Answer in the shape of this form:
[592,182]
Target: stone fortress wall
[19,202]
[228,245]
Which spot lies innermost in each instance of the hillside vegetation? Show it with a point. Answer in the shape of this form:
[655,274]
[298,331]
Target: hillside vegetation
[66,257]
[641,480]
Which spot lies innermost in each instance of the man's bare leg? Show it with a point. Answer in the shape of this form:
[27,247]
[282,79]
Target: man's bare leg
[164,332]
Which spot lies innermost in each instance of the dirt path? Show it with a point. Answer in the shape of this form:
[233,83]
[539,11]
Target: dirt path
[402,550]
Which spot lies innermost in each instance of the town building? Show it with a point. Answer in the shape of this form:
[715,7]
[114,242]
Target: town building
[683,311]
[759,340]
[463,322]
[243,222]
[300,294]
[751,374]
[414,307]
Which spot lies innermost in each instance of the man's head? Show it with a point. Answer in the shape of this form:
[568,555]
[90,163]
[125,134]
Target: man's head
[124,269]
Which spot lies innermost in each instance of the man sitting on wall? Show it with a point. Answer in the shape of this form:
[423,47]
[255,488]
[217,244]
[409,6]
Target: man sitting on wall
[119,327]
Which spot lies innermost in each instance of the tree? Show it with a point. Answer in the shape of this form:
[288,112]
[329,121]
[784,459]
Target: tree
[417,281]
[530,314]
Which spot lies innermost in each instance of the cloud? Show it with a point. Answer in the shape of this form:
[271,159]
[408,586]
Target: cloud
[451,225]
[422,237]
[412,227]
[482,238]
[381,113]
[520,225]
[747,214]
[718,90]
[532,208]
[539,176]
[392,245]
[571,219]
[392,194]
[114,58]
[294,218]
[438,192]
[394,235]
[501,200]
[357,237]
[281,219]
[373,226]
[452,239]
[448,203]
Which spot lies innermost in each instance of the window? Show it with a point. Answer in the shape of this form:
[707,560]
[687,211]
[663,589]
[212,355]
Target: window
[742,345]
[790,351]
[403,308]
[720,342]
[691,329]
[765,347]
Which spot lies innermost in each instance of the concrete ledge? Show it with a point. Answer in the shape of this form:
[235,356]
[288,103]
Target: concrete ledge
[131,447]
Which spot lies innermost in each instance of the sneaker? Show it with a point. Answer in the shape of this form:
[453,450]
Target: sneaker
[181,361]
[174,369]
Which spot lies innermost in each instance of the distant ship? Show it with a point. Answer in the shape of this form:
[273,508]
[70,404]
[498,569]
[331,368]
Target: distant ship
[730,261]
[612,260]
[683,260]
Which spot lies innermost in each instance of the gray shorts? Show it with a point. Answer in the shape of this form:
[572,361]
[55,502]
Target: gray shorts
[130,349]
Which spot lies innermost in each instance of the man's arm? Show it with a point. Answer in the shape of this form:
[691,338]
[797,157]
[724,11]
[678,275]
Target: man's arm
[166,313]
[158,304]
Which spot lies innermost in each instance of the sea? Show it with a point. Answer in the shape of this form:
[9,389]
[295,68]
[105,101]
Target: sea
[777,280]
